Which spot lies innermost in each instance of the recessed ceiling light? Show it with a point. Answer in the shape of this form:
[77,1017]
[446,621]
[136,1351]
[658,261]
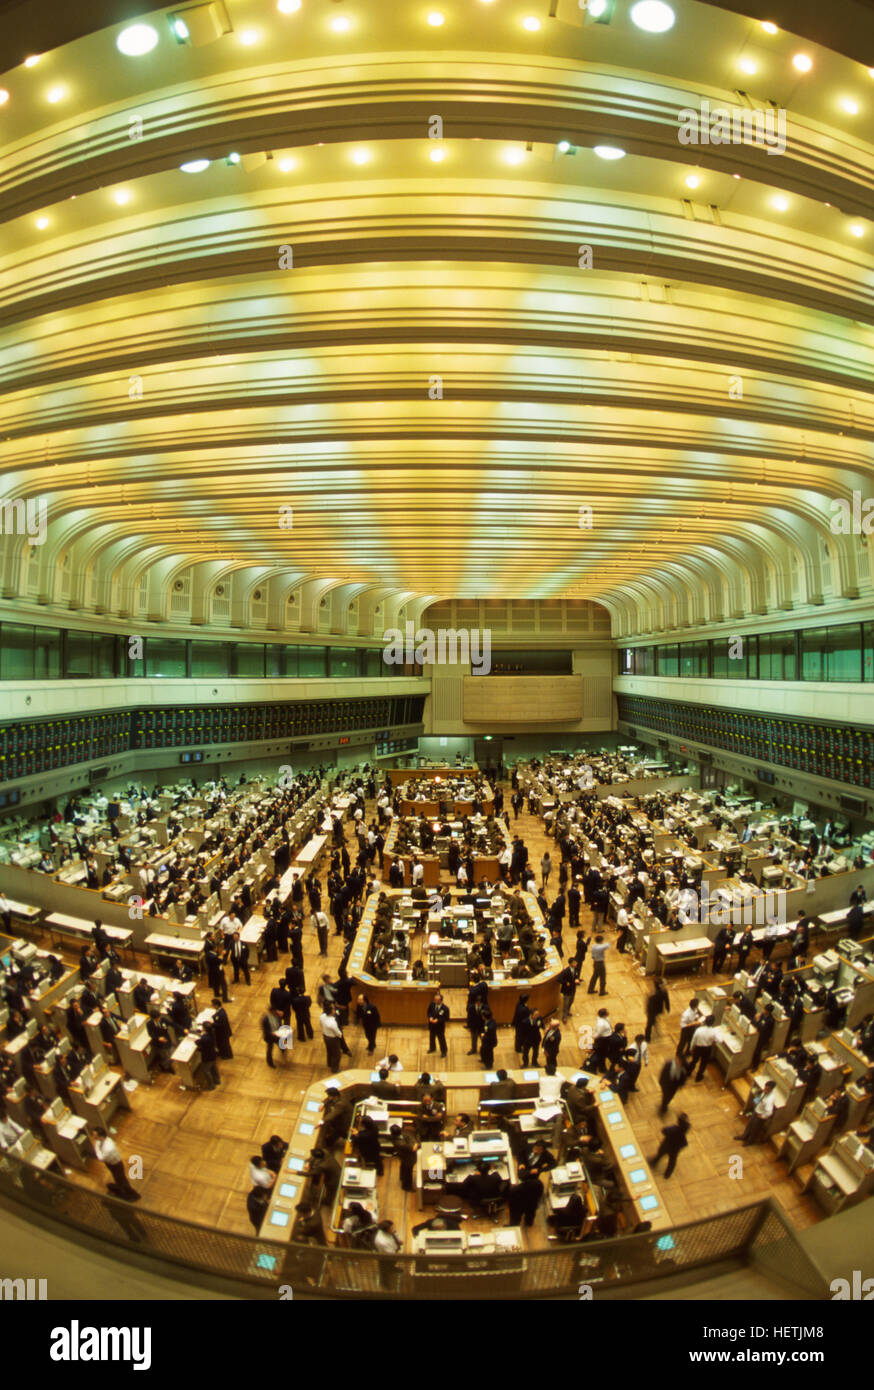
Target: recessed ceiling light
[180,29]
[735,176]
[360,156]
[564,146]
[32,61]
[596,8]
[653,15]
[249,36]
[42,223]
[769,27]
[55,94]
[871,72]
[4,96]
[121,196]
[435,19]
[342,24]
[438,155]
[286,166]
[609,152]
[857,229]
[233,157]
[851,107]
[692,181]
[136,40]
[288,6]
[513,156]
[803,62]
[531,23]
[748,66]
[779,203]
[194,166]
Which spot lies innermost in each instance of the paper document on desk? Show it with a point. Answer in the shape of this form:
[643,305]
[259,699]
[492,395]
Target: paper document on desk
[505,1240]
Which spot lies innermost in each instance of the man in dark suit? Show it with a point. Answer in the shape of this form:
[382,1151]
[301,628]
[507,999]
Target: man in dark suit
[301,1003]
[504,1088]
[524,1198]
[238,955]
[281,1001]
[438,1017]
[215,972]
[179,1015]
[477,996]
[221,1025]
[368,1017]
[383,1087]
[489,1039]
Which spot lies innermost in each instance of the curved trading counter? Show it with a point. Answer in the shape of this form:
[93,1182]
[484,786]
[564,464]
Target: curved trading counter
[403,1000]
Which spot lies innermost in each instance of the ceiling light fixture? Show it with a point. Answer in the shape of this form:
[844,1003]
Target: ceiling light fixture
[180,30]
[136,40]
[653,16]
[194,166]
[564,146]
[288,6]
[513,156]
[437,155]
[248,37]
[342,24]
[803,62]
[531,23]
[609,152]
[857,229]
[692,181]
[779,203]
[286,166]
[851,107]
[42,223]
[55,95]
[360,156]
[4,96]
[769,26]
[600,10]
[233,158]
[748,66]
[121,196]
[435,19]
[32,61]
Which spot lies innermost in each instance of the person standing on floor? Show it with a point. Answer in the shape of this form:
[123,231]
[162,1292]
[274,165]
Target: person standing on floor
[702,1045]
[223,1032]
[599,949]
[438,1017]
[763,1109]
[545,868]
[369,1018]
[552,1042]
[673,1142]
[488,1038]
[567,984]
[270,1026]
[206,1046]
[690,1019]
[404,1148]
[238,954]
[302,1003]
[658,1003]
[108,1152]
[332,1036]
[530,1038]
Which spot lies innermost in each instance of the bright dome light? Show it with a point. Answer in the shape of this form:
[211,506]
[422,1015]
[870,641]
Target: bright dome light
[55,95]
[342,24]
[851,107]
[564,146]
[609,152]
[4,96]
[360,156]
[249,36]
[653,15]
[803,62]
[286,166]
[779,203]
[121,196]
[288,6]
[769,26]
[857,229]
[32,61]
[692,181]
[748,66]
[437,155]
[194,166]
[42,223]
[531,23]
[513,156]
[136,40]
[435,19]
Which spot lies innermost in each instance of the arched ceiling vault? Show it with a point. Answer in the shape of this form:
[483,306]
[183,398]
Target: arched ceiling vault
[394,344]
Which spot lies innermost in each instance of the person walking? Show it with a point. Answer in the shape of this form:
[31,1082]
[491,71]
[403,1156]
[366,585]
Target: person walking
[673,1142]
[672,1076]
[438,1017]
[690,1019]
[702,1045]
[270,1026]
[108,1152]
[658,1003]
[599,949]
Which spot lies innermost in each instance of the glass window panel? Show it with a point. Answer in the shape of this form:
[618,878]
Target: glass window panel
[311,661]
[869,652]
[165,657]
[78,655]
[250,659]
[210,659]
[844,653]
[814,644]
[46,653]
[343,662]
[16,659]
[103,654]
[667,661]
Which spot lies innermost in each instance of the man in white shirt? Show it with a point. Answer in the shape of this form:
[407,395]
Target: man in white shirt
[690,1018]
[418,874]
[602,1031]
[598,952]
[550,1087]
[702,1045]
[259,1174]
[761,1114]
[333,1037]
[319,923]
[107,1151]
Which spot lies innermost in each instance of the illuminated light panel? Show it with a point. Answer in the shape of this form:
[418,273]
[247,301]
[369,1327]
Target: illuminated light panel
[609,152]
[42,223]
[531,23]
[341,24]
[769,26]
[56,94]
[287,165]
[851,107]
[121,196]
[564,146]
[437,155]
[4,96]
[360,156]
[180,29]
[136,40]
[779,203]
[692,181]
[513,156]
[249,36]
[435,19]
[194,166]
[857,229]
[802,62]
[288,6]
[32,61]
[748,66]
[653,16]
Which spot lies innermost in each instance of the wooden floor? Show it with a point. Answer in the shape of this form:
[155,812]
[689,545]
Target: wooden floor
[195,1146]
